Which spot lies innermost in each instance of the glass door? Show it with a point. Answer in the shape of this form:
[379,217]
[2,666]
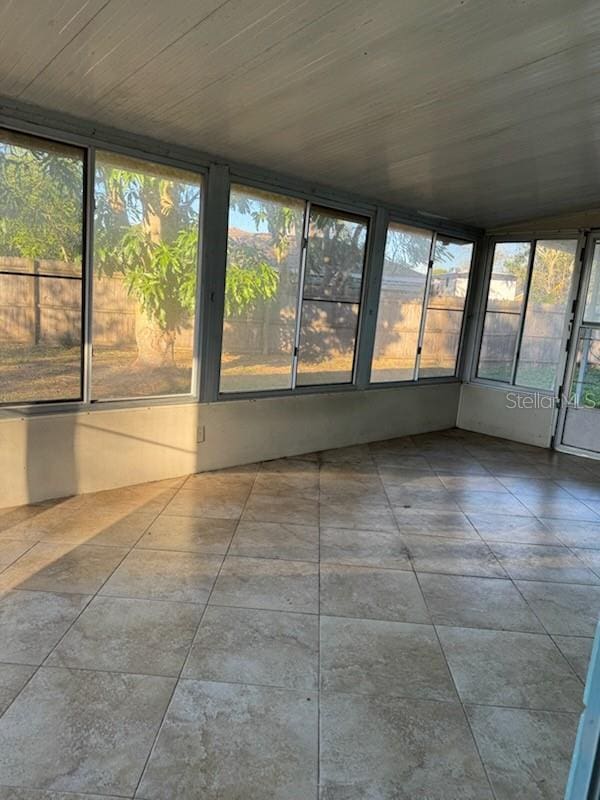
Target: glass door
[579,422]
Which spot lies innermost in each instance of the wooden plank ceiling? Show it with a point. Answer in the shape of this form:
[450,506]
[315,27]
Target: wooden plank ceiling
[485,111]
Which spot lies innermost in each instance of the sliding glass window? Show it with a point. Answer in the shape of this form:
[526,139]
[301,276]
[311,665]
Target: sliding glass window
[527,306]
[335,256]
[444,316]
[261,290]
[292,293]
[145,267]
[506,299]
[403,284]
[41,274]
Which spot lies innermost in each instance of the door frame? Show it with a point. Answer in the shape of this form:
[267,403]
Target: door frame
[582,282]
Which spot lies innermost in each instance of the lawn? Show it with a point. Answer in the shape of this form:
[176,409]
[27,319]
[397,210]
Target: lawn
[46,373]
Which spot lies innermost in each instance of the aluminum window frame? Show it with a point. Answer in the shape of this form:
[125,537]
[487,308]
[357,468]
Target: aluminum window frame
[435,232]
[84,278]
[85,402]
[365,212]
[194,392]
[368,221]
[217,175]
[532,238]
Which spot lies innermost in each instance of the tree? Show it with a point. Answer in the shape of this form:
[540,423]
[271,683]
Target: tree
[146,228]
[251,276]
[406,252]
[256,258]
[41,202]
[552,273]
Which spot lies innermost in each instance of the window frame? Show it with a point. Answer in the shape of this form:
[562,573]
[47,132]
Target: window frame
[85,402]
[531,238]
[194,392]
[344,215]
[216,177]
[84,280]
[418,379]
[310,199]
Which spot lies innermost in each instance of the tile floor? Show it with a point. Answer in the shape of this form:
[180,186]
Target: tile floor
[408,620]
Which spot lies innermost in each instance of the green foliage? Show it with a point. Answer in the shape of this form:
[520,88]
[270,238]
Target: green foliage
[250,278]
[41,196]
[553,270]
[147,230]
[162,276]
[517,265]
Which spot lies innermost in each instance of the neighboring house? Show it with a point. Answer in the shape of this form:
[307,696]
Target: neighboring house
[503,287]
[454,284]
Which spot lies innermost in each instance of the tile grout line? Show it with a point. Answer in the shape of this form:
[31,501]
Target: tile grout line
[178,678]
[449,671]
[458,695]
[19,557]
[99,589]
[85,607]
[159,513]
[42,794]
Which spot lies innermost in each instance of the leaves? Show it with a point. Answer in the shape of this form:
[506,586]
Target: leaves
[161,275]
[146,228]
[41,204]
[250,278]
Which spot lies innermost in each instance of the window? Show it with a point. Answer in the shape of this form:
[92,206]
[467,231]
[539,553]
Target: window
[335,256]
[547,306]
[527,305]
[592,304]
[145,266]
[261,290]
[289,323]
[506,297]
[449,283]
[407,253]
[101,249]
[41,283]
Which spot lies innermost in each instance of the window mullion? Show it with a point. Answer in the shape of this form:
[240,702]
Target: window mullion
[517,353]
[213,267]
[301,279]
[369,310]
[426,296]
[88,275]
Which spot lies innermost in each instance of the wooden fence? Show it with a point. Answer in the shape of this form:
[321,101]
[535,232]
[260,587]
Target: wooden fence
[37,309]
[543,332]
[42,305]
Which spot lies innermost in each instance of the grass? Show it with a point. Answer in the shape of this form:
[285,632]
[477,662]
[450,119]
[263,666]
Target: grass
[46,373]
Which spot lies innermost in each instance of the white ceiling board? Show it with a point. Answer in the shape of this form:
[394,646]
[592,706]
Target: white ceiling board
[33,34]
[481,111]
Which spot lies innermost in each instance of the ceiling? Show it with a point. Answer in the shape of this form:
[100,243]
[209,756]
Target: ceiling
[484,111]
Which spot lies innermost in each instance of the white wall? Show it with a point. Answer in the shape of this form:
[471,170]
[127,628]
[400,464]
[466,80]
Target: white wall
[61,454]
[507,413]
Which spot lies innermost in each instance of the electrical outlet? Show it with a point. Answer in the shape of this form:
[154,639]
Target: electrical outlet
[201,434]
